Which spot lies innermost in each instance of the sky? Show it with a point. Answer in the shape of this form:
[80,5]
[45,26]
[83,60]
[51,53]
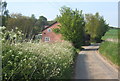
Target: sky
[50,9]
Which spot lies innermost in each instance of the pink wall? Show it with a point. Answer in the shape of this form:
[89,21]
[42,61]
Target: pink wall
[53,36]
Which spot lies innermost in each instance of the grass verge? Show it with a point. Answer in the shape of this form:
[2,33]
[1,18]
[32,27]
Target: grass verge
[110,50]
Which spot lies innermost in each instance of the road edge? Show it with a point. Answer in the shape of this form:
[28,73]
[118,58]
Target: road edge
[107,61]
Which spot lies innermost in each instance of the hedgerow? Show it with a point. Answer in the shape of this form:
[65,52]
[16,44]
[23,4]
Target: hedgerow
[33,61]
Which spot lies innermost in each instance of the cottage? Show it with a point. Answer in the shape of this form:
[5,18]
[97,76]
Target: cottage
[49,36]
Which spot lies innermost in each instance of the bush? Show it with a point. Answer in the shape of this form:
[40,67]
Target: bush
[30,61]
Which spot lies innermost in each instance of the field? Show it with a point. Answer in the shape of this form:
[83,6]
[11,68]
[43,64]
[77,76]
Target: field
[111,34]
[110,49]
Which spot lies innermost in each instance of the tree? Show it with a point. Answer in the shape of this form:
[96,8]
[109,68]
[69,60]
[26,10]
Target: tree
[43,21]
[95,26]
[23,23]
[33,21]
[4,13]
[29,25]
[72,26]
[40,23]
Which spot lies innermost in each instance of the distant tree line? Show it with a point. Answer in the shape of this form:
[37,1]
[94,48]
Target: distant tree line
[30,26]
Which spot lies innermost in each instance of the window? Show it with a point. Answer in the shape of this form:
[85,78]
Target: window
[47,39]
[49,30]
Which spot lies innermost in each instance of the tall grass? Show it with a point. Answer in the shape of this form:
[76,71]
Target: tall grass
[33,61]
[110,50]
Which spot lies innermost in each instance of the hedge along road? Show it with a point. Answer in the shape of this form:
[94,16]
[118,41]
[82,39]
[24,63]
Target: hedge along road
[90,65]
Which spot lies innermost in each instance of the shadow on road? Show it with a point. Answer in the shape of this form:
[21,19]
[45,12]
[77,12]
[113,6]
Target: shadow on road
[93,49]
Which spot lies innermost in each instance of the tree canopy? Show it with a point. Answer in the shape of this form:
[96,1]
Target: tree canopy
[29,25]
[95,26]
[72,25]
[4,14]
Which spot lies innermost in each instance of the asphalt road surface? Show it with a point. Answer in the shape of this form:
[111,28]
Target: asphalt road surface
[90,65]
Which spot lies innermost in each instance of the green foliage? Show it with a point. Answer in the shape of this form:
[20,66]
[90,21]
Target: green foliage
[40,23]
[4,13]
[95,26]
[11,36]
[3,6]
[33,61]
[29,25]
[72,25]
[56,30]
[23,23]
[110,50]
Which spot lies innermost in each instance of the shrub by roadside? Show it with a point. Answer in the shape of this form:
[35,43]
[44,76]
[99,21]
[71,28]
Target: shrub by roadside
[32,61]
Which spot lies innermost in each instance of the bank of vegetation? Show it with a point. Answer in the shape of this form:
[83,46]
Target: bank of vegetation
[110,49]
[35,61]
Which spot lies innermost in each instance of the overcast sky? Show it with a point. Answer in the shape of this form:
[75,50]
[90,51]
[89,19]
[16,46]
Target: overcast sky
[109,10]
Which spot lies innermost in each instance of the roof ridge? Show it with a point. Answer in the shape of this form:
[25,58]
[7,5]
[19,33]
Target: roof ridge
[49,25]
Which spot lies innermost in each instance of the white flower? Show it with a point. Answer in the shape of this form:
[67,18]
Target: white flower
[1,32]
[9,62]
[19,32]
[58,72]
[59,57]
[58,69]
[30,58]
[25,55]
[3,39]
[16,28]
[15,35]
[2,28]
[24,59]
[17,56]
[10,51]
[12,30]
[20,52]
[12,55]
[21,65]
[2,56]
